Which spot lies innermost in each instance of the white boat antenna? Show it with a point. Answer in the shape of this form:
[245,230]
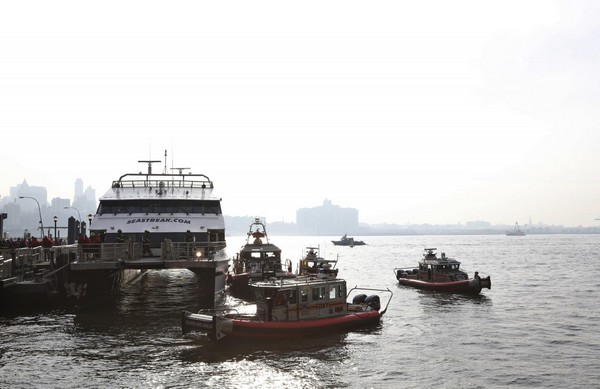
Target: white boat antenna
[181,169]
[150,162]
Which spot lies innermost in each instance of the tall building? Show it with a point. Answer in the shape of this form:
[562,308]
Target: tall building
[86,202]
[328,219]
[78,189]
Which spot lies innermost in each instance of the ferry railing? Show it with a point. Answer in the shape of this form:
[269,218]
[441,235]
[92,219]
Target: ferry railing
[185,251]
[65,251]
[109,252]
[165,182]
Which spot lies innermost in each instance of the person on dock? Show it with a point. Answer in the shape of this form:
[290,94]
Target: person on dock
[47,244]
[189,239]
[120,237]
[34,242]
[146,244]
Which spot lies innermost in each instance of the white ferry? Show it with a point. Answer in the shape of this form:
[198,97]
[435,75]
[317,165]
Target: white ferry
[175,207]
[152,221]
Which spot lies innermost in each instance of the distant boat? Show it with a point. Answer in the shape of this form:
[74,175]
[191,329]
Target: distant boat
[516,231]
[345,241]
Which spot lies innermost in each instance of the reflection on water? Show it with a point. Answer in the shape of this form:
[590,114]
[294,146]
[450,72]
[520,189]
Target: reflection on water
[431,298]
[202,349]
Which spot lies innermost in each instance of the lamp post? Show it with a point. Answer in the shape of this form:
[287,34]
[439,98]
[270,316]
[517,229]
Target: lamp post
[39,211]
[79,218]
[90,219]
[55,220]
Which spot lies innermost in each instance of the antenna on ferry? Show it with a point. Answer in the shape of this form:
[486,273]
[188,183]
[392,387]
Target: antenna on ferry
[165,169]
[149,162]
[181,169]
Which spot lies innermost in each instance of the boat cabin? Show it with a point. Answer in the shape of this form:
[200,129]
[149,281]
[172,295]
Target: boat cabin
[286,300]
[432,268]
[314,265]
[258,256]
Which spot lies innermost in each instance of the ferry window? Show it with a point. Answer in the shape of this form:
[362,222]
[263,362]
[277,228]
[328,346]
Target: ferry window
[170,208]
[318,293]
[304,295]
[160,206]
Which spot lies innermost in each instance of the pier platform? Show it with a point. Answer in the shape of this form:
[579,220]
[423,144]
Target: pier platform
[84,272]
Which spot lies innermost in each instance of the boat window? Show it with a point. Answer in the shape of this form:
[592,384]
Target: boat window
[293,299]
[318,293]
[280,299]
[335,292]
[332,292]
[304,295]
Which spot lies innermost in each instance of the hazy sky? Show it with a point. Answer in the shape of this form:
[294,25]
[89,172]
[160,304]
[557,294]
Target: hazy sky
[410,111]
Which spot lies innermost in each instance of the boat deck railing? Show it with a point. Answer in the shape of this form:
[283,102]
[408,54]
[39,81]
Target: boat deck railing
[386,290]
[163,181]
[229,313]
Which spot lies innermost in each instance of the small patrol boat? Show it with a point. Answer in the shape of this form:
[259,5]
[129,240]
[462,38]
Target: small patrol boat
[314,265]
[257,260]
[345,241]
[442,275]
[287,308]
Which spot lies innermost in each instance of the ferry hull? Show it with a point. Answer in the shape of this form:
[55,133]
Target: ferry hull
[85,287]
[211,281]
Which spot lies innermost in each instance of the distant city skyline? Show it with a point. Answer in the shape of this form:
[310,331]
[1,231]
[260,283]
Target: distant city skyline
[327,218]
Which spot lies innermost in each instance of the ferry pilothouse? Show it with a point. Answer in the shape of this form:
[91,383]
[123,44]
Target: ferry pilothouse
[154,221]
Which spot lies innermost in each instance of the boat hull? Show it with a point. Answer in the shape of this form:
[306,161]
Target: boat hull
[238,283]
[472,286]
[340,243]
[219,327]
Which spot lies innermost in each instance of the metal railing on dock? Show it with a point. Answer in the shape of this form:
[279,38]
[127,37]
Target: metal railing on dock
[28,262]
